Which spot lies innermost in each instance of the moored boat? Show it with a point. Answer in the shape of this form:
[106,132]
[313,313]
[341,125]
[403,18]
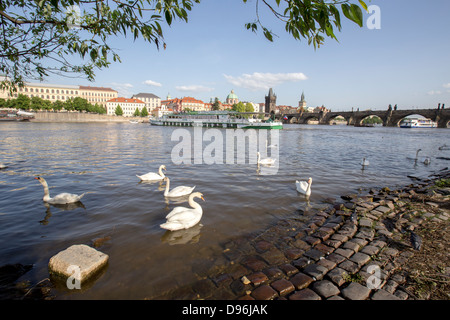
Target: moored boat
[418,123]
[14,115]
[215,119]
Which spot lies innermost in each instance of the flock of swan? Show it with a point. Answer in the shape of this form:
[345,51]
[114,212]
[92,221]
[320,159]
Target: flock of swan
[181,217]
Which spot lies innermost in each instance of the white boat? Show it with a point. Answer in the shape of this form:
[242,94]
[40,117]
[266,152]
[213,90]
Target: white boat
[418,123]
[215,119]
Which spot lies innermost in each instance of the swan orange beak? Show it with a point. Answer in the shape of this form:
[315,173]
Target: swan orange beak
[202,198]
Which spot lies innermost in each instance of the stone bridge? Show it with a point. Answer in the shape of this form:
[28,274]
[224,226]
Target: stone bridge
[391,118]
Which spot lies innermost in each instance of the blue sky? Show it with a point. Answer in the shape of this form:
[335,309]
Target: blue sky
[406,62]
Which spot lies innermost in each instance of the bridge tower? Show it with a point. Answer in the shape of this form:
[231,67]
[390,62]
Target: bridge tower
[302,102]
[271,102]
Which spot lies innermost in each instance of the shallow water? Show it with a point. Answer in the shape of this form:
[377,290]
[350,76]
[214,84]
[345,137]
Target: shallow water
[103,159]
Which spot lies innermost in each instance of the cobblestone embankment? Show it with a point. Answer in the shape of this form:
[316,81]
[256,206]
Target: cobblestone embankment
[355,249]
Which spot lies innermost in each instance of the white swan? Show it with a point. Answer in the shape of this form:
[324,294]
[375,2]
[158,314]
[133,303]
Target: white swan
[364,162]
[152,176]
[178,191]
[3,166]
[427,161]
[184,218]
[62,198]
[265,161]
[417,154]
[304,187]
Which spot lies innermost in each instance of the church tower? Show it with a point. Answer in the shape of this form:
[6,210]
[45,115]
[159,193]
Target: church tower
[271,102]
[302,102]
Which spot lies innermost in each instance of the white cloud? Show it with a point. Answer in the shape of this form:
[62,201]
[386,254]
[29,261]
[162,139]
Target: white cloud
[446,85]
[122,89]
[264,81]
[194,88]
[152,83]
[434,92]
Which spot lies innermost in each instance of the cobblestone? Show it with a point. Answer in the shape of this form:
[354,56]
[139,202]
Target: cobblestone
[328,256]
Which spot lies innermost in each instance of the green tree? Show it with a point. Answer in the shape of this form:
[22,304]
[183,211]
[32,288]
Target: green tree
[144,112]
[21,102]
[58,105]
[37,103]
[216,104]
[43,37]
[118,111]
[249,107]
[137,113]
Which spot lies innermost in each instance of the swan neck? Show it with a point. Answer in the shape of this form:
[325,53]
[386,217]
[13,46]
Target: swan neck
[46,191]
[161,172]
[166,192]
[193,204]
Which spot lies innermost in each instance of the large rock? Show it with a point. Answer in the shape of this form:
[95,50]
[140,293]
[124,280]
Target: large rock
[78,261]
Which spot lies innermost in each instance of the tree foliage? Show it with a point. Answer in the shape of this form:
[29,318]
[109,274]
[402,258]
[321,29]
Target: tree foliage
[118,111]
[41,37]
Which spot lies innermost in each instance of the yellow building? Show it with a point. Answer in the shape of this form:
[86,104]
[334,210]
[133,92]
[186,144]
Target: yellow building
[54,92]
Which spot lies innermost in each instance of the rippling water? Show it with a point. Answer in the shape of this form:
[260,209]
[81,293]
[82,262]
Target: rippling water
[103,160]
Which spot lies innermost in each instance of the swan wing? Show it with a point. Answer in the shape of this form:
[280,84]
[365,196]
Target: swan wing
[150,176]
[180,191]
[175,211]
[301,186]
[185,217]
[64,198]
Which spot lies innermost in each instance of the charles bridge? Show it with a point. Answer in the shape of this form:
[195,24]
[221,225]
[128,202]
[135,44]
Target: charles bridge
[390,117]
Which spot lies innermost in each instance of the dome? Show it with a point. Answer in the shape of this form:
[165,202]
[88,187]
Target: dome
[232,96]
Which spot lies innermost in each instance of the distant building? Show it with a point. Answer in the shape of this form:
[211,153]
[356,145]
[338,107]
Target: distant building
[271,102]
[54,92]
[151,101]
[302,102]
[128,106]
[178,105]
[232,98]
[99,95]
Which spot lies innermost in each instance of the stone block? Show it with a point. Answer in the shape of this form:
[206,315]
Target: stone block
[356,291]
[325,288]
[264,292]
[288,269]
[351,246]
[370,250]
[305,294]
[293,253]
[314,254]
[316,271]
[344,252]
[283,286]
[337,275]
[360,259]
[301,281]
[384,295]
[349,266]
[78,261]
[257,278]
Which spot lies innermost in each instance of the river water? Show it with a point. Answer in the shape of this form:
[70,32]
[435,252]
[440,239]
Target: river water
[103,159]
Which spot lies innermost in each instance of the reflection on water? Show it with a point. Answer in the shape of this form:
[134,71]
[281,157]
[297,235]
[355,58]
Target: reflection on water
[104,159]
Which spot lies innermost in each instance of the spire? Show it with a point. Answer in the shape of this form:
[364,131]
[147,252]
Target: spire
[303,96]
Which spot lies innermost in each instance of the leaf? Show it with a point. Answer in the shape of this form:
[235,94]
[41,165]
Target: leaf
[364,5]
[168,17]
[353,12]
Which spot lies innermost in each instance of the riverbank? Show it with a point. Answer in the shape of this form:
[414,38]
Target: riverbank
[81,117]
[322,254]
[331,255]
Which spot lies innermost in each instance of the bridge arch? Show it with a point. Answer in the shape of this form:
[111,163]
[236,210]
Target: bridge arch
[397,120]
[334,118]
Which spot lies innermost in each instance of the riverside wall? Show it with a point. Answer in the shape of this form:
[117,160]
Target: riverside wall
[81,117]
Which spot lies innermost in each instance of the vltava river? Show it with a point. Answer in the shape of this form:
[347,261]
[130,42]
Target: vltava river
[103,160]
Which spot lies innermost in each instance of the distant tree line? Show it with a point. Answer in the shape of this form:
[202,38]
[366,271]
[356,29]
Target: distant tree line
[36,103]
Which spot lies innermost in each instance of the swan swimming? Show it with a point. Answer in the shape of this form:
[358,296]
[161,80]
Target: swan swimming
[178,191]
[152,176]
[265,161]
[364,162]
[184,218]
[304,187]
[3,166]
[62,198]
